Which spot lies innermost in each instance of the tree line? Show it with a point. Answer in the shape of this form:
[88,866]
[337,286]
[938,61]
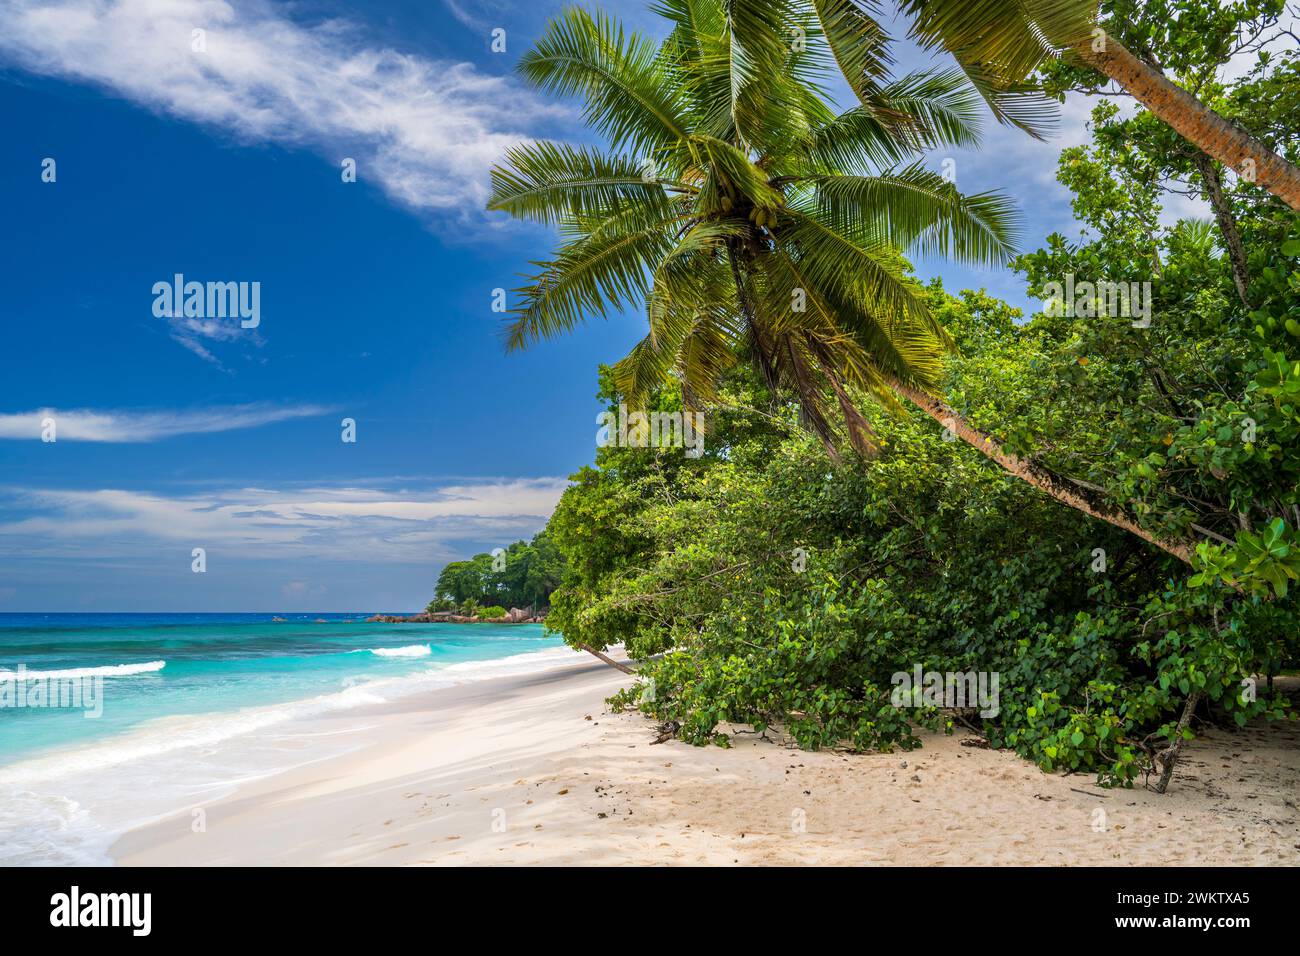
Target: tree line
[521,575]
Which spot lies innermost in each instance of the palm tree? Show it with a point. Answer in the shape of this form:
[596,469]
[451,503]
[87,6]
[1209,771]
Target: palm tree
[999,43]
[753,221]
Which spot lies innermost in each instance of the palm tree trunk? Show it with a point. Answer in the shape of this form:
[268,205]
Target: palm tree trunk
[606,659]
[1197,123]
[1076,497]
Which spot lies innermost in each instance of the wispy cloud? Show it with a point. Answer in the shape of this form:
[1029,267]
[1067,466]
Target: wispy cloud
[426,130]
[347,523]
[102,425]
[192,332]
[467,12]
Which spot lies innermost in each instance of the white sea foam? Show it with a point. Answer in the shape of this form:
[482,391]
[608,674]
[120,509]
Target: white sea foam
[112,670]
[166,734]
[49,830]
[67,806]
[413,650]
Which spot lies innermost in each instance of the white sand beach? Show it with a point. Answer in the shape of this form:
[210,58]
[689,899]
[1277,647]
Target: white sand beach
[533,770]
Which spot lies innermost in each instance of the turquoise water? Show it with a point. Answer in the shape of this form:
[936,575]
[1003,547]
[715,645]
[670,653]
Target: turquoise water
[176,692]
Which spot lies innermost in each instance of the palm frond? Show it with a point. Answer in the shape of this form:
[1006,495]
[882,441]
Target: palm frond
[917,209]
[692,314]
[1019,104]
[864,272]
[757,51]
[627,97]
[866,344]
[593,274]
[857,41]
[856,141]
[549,182]
[999,44]
[940,105]
[702,349]
[1016,36]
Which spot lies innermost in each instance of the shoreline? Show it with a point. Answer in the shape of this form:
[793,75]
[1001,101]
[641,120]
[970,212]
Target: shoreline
[531,769]
[65,801]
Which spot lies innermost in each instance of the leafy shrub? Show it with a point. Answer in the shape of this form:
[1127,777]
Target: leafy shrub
[805,664]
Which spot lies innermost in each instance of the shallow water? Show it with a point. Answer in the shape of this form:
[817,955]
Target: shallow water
[177,708]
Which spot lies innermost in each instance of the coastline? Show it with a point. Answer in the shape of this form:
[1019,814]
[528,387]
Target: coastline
[531,768]
[229,704]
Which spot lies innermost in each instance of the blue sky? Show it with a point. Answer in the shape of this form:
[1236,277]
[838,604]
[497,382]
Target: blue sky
[224,165]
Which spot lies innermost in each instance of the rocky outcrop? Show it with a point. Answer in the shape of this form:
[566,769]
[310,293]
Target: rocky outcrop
[515,616]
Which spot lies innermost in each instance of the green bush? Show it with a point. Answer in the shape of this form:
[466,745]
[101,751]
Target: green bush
[800,663]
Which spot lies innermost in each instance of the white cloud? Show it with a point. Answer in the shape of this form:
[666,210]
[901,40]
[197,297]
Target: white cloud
[303,589]
[86,424]
[355,523]
[190,332]
[426,130]
[468,12]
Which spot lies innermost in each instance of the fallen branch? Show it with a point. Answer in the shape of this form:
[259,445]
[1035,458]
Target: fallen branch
[666,732]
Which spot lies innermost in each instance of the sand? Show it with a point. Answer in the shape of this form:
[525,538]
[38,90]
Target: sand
[534,770]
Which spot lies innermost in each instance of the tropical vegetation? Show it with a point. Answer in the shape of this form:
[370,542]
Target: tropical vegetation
[1126,568]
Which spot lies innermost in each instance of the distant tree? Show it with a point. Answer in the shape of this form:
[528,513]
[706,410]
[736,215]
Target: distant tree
[532,571]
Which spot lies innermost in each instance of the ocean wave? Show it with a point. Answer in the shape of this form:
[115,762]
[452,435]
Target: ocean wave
[163,735]
[68,806]
[49,830]
[411,650]
[112,670]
